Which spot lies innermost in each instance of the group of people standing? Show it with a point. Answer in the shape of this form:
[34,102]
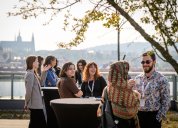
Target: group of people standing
[45,72]
[85,82]
[139,102]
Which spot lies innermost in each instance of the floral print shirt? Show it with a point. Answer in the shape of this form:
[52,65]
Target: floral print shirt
[156,92]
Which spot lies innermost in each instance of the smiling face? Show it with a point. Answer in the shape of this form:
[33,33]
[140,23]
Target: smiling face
[92,70]
[148,64]
[70,71]
[80,66]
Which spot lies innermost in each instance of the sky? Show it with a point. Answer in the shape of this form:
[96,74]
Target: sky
[46,37]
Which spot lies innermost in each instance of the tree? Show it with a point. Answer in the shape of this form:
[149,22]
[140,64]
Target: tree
[161,14]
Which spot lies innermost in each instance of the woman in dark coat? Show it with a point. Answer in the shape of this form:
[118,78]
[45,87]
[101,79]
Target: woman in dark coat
[93,83]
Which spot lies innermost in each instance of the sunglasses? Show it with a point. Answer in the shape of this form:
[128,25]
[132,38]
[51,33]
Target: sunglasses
[147,62]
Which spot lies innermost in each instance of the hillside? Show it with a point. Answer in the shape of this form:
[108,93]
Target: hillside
[137,47]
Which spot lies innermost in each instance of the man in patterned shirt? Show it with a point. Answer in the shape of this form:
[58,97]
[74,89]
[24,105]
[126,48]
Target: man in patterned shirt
[155,93]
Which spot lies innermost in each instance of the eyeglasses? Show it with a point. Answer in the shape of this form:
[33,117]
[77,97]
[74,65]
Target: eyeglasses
[147,62]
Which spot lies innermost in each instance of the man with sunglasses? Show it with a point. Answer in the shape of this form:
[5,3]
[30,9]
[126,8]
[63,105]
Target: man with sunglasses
[155,93]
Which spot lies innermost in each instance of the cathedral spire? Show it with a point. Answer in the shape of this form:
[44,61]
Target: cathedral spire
[15,37]
[33,39]
[19,38]
[33,42]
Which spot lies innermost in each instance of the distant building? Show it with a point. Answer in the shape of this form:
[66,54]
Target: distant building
[16,50]
[18,47]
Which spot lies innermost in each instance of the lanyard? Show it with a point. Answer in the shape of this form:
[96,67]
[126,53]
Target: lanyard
[143,93]
[144,88]
[92,87]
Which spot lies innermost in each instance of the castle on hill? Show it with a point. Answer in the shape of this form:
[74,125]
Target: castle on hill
[16,48]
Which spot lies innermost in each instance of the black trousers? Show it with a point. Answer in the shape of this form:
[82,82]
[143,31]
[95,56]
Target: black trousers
[125,123]
[37,119]
[148,119]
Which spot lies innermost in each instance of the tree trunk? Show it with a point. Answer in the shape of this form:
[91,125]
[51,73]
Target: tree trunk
[147,37]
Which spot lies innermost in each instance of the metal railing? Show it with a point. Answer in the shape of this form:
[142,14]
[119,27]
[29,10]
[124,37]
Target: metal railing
[12,84]
[12,88]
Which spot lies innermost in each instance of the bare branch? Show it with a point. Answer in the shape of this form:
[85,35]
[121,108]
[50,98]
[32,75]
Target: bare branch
[27,9]
[158,54]
[171,3]
[164,53]
[159,25]
[175,47]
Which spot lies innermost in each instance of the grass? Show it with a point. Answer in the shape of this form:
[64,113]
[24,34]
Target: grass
[171,122]
[14,114]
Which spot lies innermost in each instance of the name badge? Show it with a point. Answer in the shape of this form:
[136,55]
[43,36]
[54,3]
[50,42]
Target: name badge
[142,102]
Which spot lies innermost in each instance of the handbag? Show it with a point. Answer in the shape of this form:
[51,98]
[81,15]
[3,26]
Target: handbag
[107,119]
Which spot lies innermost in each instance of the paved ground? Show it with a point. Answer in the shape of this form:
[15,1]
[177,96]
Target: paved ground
[12,123]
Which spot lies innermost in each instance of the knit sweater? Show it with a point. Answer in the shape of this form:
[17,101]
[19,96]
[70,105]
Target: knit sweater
[124,100]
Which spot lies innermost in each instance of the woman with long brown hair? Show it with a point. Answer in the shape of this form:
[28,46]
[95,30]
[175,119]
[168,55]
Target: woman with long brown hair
[67,85]
[51,78]
[93,83]
[33,97]
[78,73]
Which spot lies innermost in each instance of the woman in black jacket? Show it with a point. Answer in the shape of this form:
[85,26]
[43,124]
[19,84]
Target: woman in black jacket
[93,83]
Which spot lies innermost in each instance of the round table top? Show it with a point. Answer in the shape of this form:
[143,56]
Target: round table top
[48,88]
[76,101]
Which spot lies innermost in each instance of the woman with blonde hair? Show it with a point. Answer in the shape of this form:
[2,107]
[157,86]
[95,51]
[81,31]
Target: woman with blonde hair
[93,83]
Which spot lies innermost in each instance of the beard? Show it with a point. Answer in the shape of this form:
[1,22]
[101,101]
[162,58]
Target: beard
[148,69]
